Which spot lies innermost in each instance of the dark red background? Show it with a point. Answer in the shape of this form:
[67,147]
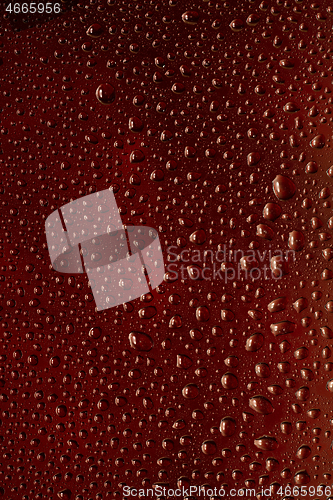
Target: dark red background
[213,100]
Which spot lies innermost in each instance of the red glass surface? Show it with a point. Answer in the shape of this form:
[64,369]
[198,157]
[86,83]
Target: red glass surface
[211,122]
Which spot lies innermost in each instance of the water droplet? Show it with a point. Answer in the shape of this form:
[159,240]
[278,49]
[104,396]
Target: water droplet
[237,25]
[140,341]
[261,405]
[202,314]
[272,211]
[313,413]
[311,167]
[209,447]
[303,393]
[266,443]
[254,342]
[105,93]
[229,381]
[54,361]
[286,427]
[277,305]
[95,332]
[284,188]
[253,158]
[198,237]
[262,370]
[282,328]
[300,304]
[65,494]
[296,241]
[302,477]
[184,361]
[61,411]
[279,266]
[103,404]
[135,124]
[253,19]
[137,156]
[95,30]
[190,391]
[228,426]
[318,142]
[190,17]
[291,107]
[265,232]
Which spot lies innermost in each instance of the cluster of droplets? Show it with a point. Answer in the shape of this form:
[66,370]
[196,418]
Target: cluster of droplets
[212,125]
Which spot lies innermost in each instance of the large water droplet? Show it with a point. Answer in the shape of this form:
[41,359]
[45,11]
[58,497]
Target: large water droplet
[318,142]
[296,240]
[284,188]
[105,93]
[190,17]
[140,341]
[228,426]
[261,405]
